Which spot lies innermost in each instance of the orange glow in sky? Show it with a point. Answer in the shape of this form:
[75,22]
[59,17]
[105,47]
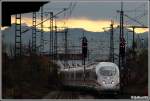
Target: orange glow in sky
[87,24]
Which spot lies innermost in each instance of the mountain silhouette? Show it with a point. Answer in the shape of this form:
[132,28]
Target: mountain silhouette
[97,41]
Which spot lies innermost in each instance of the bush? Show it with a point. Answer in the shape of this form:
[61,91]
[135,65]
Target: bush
[27,76]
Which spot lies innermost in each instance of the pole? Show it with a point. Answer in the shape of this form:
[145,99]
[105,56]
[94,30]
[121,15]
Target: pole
[51,41]
[18,36]
[66,48]
[55,40]
[111,43]
[84,67]
[42,40]
[34,32]
[84,54]
[121,56]
[133,45]
[18,52]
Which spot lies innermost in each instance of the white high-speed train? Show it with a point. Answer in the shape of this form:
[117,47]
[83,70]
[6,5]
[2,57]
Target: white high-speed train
[102,76]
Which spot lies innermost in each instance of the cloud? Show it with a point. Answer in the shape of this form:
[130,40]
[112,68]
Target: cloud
[83,22]
[140,30]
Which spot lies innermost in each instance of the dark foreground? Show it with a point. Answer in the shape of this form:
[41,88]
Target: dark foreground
[69,92]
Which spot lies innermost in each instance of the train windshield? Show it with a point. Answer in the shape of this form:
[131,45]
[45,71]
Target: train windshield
[107,71]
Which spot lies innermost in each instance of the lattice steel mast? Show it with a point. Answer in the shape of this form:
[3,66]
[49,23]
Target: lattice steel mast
[34,32]
[18,40]
[42,36]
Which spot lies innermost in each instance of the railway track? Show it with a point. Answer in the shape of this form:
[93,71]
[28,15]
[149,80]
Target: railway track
[62,95]
[84,95]
[70,92]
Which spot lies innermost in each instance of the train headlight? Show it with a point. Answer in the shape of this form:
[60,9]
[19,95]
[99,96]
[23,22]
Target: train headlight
[104,82]
[112,82]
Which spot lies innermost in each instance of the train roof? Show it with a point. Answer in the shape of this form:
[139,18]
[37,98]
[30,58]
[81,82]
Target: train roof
[106,64]
[103,64]
[81,68]
[95,65]
[92,67]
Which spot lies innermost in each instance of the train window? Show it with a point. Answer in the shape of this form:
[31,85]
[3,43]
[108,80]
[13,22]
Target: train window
[79,75]
[66,76]
[72,75]
[95,77]
[92,75]
[107,71]
[87,74]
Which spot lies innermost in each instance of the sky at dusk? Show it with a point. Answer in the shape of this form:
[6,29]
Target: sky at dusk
[93,16]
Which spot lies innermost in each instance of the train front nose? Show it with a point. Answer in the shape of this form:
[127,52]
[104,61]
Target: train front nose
[108,80]
[108,84]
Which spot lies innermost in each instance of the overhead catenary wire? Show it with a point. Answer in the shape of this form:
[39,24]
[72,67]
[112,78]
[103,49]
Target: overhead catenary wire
[55,15]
